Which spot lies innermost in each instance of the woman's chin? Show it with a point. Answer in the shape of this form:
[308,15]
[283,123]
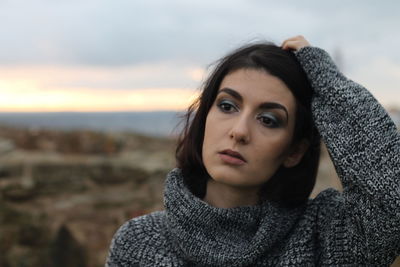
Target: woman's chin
[233,177]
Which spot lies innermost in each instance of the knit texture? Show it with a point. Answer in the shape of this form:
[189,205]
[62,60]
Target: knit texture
[359,227]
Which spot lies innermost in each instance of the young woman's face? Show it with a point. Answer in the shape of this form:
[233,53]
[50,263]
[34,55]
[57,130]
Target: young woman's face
[249,129]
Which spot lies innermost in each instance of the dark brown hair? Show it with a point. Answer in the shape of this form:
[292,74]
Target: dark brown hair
[288,186]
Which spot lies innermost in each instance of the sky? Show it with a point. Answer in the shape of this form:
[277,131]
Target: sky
[144,55]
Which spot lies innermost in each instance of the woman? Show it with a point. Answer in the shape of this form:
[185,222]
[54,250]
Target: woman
[247,164]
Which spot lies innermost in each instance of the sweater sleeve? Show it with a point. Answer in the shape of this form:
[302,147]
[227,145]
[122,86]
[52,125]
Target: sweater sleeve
[364,146]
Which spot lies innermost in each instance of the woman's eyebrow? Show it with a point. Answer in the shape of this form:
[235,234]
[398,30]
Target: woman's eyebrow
[231,92]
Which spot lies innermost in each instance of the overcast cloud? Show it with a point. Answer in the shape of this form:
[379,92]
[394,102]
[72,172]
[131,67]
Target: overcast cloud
[178,35]
[131,32]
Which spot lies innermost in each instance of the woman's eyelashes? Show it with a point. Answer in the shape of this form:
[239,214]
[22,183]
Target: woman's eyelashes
[267,119]
[227,106]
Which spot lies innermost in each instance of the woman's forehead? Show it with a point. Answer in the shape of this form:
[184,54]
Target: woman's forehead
[258,85]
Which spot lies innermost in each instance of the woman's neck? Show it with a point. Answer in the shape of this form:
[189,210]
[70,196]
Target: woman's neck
[226,196]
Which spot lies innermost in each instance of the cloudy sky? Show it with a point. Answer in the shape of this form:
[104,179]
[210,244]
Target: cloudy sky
[98,55]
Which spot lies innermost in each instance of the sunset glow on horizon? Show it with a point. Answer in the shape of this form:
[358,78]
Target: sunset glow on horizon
[116,89]
[57,89]
[88,100]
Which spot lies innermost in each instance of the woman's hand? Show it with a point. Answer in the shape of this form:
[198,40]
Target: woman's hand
[295,43]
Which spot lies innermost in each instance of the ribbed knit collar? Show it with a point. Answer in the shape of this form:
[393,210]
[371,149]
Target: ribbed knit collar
[210,236]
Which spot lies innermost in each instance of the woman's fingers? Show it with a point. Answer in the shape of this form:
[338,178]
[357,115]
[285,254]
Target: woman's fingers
[295,43]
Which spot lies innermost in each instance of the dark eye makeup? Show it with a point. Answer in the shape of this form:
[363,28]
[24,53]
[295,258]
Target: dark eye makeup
[267,119]
[227,106]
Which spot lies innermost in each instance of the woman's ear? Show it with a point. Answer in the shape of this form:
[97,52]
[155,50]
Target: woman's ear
[296,154]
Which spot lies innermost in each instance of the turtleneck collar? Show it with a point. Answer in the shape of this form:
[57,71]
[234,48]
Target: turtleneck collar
[211,236]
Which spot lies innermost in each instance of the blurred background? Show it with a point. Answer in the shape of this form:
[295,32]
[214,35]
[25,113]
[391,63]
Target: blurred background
[91,92]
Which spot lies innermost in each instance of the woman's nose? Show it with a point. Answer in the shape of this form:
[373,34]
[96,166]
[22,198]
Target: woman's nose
[240,131]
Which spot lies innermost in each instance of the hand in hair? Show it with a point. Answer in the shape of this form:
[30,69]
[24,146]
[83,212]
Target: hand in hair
[295,43]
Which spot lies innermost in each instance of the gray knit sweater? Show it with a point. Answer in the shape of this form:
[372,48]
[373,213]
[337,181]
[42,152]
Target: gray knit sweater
[359,227]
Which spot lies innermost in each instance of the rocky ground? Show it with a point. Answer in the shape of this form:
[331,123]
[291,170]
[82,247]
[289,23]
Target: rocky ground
[63,194]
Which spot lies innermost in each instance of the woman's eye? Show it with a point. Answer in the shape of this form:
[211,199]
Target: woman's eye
[227,106]
[268,120]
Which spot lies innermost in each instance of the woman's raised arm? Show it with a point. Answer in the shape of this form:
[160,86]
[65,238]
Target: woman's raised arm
[364,145]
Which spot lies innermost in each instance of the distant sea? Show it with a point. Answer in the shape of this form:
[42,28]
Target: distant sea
[159,123]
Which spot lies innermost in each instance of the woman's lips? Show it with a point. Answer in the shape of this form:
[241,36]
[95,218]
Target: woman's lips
[231,157]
